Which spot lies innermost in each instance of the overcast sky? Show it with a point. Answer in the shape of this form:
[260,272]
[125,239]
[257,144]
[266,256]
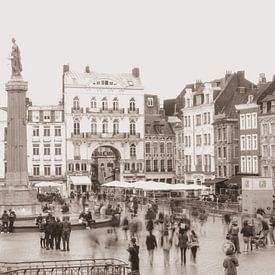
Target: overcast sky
[172,42]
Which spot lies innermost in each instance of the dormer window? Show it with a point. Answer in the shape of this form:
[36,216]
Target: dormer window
[150,102]
[273,106]
[105,82]
[250,99]
[132,104]
[76,103]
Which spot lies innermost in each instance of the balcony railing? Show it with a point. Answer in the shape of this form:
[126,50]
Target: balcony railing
[105,135]
[133,111]
[92,110]
[79,135]
[110,110]
[77,111]
[133,135]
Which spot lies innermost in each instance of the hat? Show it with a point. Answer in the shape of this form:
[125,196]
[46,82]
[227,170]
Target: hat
[133,240]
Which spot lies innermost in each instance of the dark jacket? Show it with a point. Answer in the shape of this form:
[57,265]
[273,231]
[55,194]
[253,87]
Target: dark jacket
[151,242]
[183,240]
[12,216]
[66,227]
[5,217]
[58,228]
[134,258]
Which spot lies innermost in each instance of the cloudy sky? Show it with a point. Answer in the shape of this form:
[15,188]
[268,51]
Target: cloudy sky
[172,42]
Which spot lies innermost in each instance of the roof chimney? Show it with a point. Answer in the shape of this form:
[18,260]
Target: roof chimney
[198,84]
[135,72]
[227,75]
[262,79]
[241,74]
[66,68]
[87,69]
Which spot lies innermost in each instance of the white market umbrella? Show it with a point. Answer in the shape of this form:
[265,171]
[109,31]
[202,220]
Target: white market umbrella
[48,184]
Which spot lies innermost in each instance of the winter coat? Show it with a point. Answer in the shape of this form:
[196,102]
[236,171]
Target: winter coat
[151,242]
[230,264]
[183,240]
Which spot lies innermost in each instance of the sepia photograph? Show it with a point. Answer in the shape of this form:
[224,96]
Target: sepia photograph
[137,137]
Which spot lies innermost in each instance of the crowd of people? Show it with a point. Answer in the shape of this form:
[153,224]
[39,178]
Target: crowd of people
[8,219]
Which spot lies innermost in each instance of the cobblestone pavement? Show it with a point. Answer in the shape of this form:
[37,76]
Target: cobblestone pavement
[25,247]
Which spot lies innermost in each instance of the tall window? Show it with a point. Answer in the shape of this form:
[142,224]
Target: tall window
[161,147]
[148,165]
[93,103]
[104,126]
[47,170]
[273,128]
[115,104]
[76,103]
[57,131]
[35,149]
[169,148]
[198,120]
[155,148]
[58,170]
[265,151]
[77,150]
[224,152]
[162,166]
[198,140]
[254,121]
[132,104]
[255,164]
[242,122]
[243,164]
[254,142]
[115,127]
[57,149]
[265,129]
[132,150]
[243,147]
[132,127]
[150,102]
[273,150]
[104,104]
[169,165]
[155,165]
[147,148]
[248,142]
[58,116]
[248,121]
[47,131]
[76,127]
[93,127]
[47,149]
[36,170]
[249,164]
[35,131]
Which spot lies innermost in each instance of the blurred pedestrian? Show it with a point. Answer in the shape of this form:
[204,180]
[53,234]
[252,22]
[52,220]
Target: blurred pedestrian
[234,233]
[133,250]
[41,226]
[166,246]
[58,233]
[230,263]
[12,218]
[151,244]
[183,245]
[5,222]
[125,227]
[194,245]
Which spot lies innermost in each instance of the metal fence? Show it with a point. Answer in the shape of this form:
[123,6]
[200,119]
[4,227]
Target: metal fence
[107,266]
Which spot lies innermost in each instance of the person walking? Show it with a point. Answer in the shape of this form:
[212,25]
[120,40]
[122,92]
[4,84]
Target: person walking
[133,250]
[66,231]
[194,244]
[230,263]
[183,245]
[151,244]
[41,226]
[125,227]
[12,217]
[247,235]
[166,246]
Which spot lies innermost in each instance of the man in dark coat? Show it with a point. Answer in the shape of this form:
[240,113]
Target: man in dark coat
[48,233]
[58,231]
[133,250]
[66,231]
[12,217]
[5,221]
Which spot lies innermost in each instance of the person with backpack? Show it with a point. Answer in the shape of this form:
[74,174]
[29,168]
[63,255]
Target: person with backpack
[12,217]
[66,231]
[183,245]
[151,244]
[230,263]
[133,250]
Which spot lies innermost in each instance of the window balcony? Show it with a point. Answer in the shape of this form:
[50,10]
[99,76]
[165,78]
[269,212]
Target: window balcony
[46,138]
[57,157]
[118,111]
[106,135]
[36,138]
[80,135]
[133,111]
[57,138]
[77,158]
[77,111]
[92,110]
[133,136]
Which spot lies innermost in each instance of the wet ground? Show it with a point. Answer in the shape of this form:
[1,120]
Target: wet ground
[26,247]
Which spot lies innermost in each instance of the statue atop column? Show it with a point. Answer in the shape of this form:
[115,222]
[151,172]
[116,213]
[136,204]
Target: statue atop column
[16,66]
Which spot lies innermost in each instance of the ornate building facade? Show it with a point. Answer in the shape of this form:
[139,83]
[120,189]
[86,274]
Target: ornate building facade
[104,116]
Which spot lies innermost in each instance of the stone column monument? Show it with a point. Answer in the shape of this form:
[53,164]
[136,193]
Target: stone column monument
[16,193]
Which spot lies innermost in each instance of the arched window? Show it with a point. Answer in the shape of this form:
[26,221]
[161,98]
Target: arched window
[132,104]
[104,104]
[76,127]
[93,127]
[105,126]
[115,104]
[76,103]
[77,167]
[132,127]
[93,103]
[132,150]
[115,127]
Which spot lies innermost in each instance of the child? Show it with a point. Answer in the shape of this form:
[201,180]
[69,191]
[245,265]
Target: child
[230,263]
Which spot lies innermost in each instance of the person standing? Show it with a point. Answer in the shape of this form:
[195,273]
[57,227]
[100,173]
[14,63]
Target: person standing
[125,227]
[58,233]
[194,244]
[230,263]
[133,250]
[183,245]
[66,231]
[48,233]
[234,233]
[12,217]
[247,235]
[5,222]
[151,244]
[41,226]
[226,220]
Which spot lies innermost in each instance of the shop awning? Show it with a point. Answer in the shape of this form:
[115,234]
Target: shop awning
[214,181]
[80,180]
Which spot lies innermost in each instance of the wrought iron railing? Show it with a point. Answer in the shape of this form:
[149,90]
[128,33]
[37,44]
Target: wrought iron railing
[108,266]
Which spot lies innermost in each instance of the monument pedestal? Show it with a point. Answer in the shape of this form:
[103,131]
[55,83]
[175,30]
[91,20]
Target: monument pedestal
[21,199]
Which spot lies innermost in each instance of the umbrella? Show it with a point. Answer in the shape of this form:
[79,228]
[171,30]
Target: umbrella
[118,184]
